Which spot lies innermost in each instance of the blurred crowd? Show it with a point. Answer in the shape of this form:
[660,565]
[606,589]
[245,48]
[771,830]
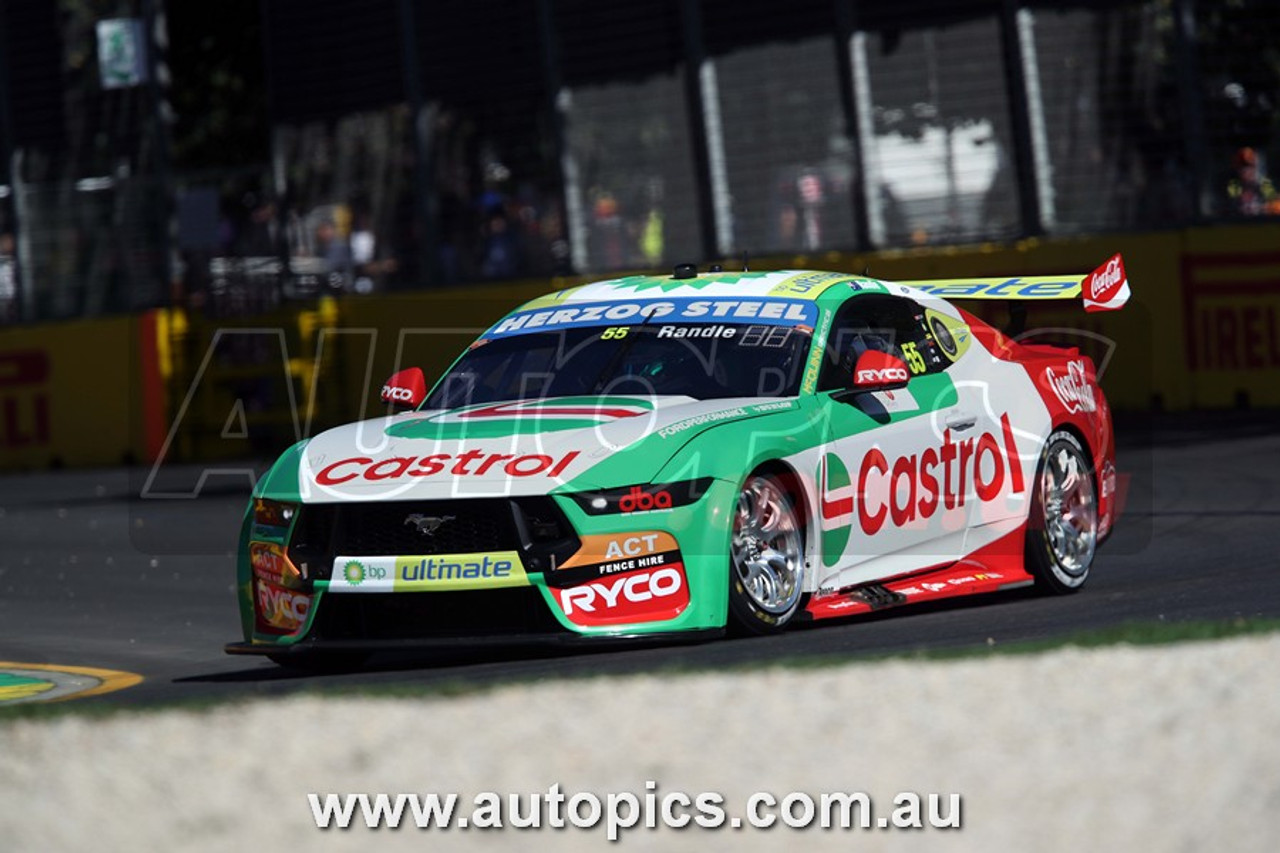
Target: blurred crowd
[265,251]
[249,252]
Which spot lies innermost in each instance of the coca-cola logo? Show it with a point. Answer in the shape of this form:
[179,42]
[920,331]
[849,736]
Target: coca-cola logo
[1104,282]
[1073,388]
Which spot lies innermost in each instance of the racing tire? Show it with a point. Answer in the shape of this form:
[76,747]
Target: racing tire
[766,558]
[1062,529]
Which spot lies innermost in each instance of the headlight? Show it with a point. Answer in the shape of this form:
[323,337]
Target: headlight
[273,513]
[644,498]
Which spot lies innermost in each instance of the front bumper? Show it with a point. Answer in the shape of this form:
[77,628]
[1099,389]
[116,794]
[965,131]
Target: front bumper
[583,599]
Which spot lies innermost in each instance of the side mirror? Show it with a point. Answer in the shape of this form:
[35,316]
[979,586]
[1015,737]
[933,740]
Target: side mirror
[879,371]
[406,389]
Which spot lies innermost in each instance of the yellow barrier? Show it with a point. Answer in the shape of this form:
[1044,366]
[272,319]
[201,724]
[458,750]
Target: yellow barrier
[1230,312]
[68,395]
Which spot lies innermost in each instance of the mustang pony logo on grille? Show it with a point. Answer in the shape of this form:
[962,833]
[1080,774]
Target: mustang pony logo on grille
[427,525]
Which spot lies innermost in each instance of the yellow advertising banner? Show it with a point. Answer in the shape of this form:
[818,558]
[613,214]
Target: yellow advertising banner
[68,395]
[1230,284]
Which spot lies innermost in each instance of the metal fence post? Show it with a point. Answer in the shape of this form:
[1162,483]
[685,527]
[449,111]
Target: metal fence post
[846,26]
[566,179]
[7,148]
[703,157]
[1024,156]
[1189,102]
[157,80]
[422,118]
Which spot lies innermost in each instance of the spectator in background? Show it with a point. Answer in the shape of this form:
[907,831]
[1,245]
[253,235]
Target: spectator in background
[500,257]
[812,197]
[651,238]
[453,225]
[788,226]
[260,236]
[8,279]
[1251,192]
[369,270]
[608,247]
[335,250]
[557,243]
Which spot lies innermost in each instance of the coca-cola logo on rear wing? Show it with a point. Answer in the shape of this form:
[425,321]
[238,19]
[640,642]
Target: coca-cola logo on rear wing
[1107,287]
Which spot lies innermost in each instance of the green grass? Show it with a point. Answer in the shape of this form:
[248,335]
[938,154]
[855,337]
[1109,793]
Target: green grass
[1129,633]
[1136,633]
[1148,634]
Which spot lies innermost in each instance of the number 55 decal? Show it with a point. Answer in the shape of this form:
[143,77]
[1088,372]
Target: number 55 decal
[915,360]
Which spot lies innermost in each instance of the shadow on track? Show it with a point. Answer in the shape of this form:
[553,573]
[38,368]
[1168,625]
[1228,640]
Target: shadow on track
[827,641]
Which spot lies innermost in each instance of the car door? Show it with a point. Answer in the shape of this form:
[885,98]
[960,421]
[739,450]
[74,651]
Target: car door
[998,424]
[890,494]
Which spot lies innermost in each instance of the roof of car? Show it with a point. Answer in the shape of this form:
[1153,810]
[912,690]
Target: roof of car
[793,284]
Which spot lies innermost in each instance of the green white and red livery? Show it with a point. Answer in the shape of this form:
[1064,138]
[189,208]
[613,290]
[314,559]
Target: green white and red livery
[668,454]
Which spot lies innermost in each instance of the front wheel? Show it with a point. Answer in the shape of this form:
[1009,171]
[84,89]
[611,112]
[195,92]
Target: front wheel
[1062,534]
[766,559]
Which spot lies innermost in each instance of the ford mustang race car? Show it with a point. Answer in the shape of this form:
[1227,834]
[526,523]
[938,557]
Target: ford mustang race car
[655,455]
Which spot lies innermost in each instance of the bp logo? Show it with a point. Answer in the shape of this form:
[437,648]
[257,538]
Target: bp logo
[353,571]
[836,495]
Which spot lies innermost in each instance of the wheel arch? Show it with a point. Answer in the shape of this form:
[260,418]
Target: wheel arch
[790,478]
[803,498]
[1080,436]
[747,612]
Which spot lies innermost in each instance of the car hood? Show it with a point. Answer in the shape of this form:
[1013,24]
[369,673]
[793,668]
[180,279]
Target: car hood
[507,449]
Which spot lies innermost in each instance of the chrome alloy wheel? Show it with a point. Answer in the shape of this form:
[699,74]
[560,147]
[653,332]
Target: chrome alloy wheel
[1070,511]
[767,548]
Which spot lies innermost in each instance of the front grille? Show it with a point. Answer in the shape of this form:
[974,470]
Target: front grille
[434,615]
[467,527]
[533,526]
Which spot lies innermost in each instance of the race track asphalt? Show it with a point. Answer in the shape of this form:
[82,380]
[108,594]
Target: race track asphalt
[93,576]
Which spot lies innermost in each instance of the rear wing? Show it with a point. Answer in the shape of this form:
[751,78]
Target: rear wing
[1104,289]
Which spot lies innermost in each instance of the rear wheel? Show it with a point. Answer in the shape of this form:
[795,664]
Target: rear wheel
[1062,536]
[766,557]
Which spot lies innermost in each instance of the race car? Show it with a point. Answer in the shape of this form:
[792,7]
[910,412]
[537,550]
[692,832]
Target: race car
[656,455]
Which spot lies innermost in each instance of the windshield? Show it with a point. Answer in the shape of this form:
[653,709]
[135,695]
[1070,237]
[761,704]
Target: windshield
[700,360]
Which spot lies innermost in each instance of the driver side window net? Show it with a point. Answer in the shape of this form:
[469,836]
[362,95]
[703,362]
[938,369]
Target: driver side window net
[891,324]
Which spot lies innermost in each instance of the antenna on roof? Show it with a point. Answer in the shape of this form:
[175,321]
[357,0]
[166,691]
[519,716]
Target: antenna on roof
[866,270]
[745,267]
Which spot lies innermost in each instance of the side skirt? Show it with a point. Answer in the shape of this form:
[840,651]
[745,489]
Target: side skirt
[997,566]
